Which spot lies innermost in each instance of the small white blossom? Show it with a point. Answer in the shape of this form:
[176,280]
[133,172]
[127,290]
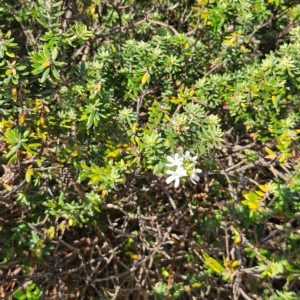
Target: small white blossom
[175,175]
[176,161]
[188,156]
[194,177]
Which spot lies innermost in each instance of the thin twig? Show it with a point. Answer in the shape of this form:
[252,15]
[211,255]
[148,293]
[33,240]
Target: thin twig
[244,294]
[169,197]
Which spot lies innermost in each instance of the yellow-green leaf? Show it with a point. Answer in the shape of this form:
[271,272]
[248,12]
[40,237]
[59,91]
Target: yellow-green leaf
[134,126]
[234,264]
[202,2]
[237,239]
[123,178]
[145,78]
[252,200]
[28,174]
[178,100]
[21,118]
[46,64]
[62,225]
[271,155]
[10,54]
[283,158]
[270,152]
[262,187]
[51,232]
[211,263]
[165,273]
[196,285]
[259,193]
[114,153]
[274,100]
[253,205]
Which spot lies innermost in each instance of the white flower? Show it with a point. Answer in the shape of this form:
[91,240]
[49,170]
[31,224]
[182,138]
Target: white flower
[176,161]
[188,156]
[194,177]
[175,175]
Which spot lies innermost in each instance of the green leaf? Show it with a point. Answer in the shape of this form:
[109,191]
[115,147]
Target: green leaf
[61,199]
[55,73]
[57,4]
[31,287]
[35,237]
[45,75]
[13,159]
[42,22]
[58,14]
[54,53]
[12,151]
[19,294]
[160,290]
[38,70]
[158,168]
[212,264]
[59,63]
[46,53]
[291,268]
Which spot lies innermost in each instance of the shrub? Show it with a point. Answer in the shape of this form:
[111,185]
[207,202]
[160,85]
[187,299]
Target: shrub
[104,105]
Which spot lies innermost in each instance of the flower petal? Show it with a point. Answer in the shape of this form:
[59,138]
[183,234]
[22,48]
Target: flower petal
[170,179]
[177,181]
[170,172]
[176,161]
[194,178]
[170,158]
[188,156]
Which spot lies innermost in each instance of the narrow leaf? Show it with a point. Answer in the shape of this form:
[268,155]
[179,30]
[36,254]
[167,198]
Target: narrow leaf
[212,264]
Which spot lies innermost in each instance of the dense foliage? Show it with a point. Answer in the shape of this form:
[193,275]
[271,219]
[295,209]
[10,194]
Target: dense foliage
[103,104]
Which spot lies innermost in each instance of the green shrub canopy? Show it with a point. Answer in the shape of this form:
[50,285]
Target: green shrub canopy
[149,149]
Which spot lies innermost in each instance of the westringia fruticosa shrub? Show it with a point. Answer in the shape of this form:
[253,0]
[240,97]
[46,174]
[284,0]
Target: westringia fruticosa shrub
[149,149]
